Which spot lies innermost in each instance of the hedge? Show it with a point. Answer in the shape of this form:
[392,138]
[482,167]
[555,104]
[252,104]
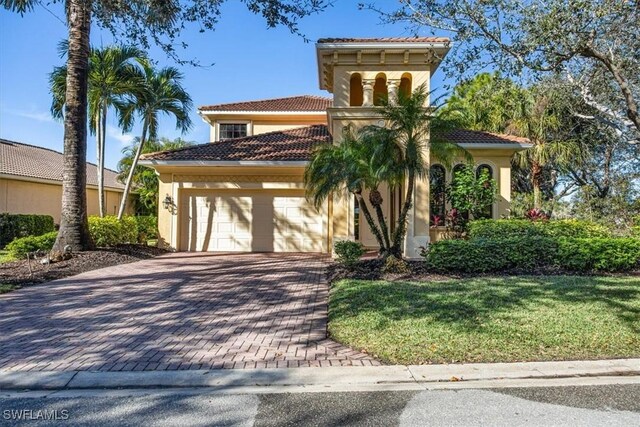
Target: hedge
[147,227]
[528,253]
[14,226]
[490,255]
[108,231]
[507,228]
[22,246]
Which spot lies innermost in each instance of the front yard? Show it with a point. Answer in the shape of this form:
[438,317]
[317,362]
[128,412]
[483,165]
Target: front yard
[495,319]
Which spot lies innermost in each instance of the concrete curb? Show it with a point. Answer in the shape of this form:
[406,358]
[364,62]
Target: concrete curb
[341,378]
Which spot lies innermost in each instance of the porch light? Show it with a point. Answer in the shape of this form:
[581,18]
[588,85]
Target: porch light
[167,202]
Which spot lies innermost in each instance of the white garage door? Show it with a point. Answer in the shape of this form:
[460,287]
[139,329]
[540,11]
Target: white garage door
[261,221]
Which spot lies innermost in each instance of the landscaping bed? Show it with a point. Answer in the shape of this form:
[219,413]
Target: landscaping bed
[488,319]
[16,273]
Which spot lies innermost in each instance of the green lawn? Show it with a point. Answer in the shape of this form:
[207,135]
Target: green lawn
[489,319]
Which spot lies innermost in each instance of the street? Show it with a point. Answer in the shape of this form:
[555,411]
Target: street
[601,405]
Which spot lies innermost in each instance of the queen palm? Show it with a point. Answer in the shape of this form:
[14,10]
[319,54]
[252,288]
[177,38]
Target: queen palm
[145,179]
[114,76]
[395,154]
[161,92]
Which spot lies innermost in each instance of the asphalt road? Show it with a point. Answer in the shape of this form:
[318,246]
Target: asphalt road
[610,405]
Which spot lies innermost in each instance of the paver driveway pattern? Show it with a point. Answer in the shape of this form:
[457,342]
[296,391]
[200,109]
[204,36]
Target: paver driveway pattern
[179,311]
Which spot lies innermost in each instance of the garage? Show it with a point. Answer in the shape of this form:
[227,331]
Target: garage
[278,220]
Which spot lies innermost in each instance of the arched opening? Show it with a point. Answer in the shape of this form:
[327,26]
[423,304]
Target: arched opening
[405,85]
[380,92]
[458,169]
[485,170]
[355,90]
[437,194]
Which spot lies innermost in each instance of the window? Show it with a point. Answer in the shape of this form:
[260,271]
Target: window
[232,130]
[355,90]
[380,92]
[482,169]
[356,219]
[437,176]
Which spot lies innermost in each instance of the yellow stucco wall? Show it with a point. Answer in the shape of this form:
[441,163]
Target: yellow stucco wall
[25,197]
[259,124]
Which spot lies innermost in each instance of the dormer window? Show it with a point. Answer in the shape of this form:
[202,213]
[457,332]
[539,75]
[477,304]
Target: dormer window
[232,130]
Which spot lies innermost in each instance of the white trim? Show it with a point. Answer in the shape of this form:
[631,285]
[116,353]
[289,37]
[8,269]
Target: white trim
[384,45]
[495,145]
[260,113]
[53,182]
[270,163]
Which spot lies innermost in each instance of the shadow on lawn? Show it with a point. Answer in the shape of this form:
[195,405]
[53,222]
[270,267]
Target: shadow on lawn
[469,303]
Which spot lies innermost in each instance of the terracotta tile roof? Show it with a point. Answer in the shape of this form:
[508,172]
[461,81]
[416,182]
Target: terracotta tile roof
[386,40]
[291,103]
[463,136]
[288,145]
[42,163]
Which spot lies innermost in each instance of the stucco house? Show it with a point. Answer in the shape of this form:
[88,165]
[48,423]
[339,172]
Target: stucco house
[243,190]
[31,182]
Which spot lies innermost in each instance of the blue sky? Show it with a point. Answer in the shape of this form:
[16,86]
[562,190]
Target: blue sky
[251,62]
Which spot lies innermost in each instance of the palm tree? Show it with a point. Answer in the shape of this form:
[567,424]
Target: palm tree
[161,92]
[394,154]
[536,119]
[113,77]
[145,179]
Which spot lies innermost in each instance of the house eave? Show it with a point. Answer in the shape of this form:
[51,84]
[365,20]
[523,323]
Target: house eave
[496,146]
[52,181]
[264,163]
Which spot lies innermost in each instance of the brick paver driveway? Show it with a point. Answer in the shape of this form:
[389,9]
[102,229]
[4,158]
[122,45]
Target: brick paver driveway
[180,311]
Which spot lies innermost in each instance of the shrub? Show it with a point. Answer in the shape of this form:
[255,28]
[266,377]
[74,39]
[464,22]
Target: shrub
[490,255]
[14,226]
[108,231]
[598,254]
[505,228]
[394,265]
[147,227]
[22,246]
[348,252]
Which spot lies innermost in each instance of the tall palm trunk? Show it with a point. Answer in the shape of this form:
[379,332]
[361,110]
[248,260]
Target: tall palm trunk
[376,201]
[401,231]
[372,224]
[102,117]
[74,228]
[536,183]
[134,163]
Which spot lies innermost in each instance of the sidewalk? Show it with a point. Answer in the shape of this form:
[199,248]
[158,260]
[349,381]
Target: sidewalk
[374,378]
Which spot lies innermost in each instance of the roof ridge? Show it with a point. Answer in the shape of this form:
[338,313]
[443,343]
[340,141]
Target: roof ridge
[4,140]
[320,97]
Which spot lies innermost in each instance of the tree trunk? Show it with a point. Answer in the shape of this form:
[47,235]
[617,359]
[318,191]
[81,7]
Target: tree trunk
[536,179]
[134,163]
[376,201]
[372,224]
[74,228]
[100,164]
[401,230]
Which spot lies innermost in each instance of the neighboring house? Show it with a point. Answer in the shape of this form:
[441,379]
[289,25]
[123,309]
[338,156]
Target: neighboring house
[244,190]
[31,182]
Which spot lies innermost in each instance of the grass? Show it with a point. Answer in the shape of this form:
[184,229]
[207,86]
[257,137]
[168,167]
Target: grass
[489,319]
[6,288]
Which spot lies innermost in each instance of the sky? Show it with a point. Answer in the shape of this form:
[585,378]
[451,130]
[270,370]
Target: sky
[250,62]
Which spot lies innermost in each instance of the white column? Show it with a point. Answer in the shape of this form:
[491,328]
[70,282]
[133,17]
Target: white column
[392,90]
[367,93]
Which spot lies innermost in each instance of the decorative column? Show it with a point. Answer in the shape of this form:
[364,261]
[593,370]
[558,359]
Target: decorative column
[392,90]
[367,93]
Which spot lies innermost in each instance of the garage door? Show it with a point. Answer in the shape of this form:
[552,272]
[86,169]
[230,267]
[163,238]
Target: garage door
[243,221]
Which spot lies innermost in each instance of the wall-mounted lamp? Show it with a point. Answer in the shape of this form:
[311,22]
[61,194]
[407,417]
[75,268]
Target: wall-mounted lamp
[167,203]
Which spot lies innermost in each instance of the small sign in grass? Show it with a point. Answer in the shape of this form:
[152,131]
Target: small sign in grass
[489,319]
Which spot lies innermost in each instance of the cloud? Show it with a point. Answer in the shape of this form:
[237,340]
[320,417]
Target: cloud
[33,115]
[116,133]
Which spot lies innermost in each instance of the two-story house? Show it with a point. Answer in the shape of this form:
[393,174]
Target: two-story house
[243,190]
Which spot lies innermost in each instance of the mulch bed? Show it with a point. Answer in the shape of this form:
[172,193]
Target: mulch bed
[16,273]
